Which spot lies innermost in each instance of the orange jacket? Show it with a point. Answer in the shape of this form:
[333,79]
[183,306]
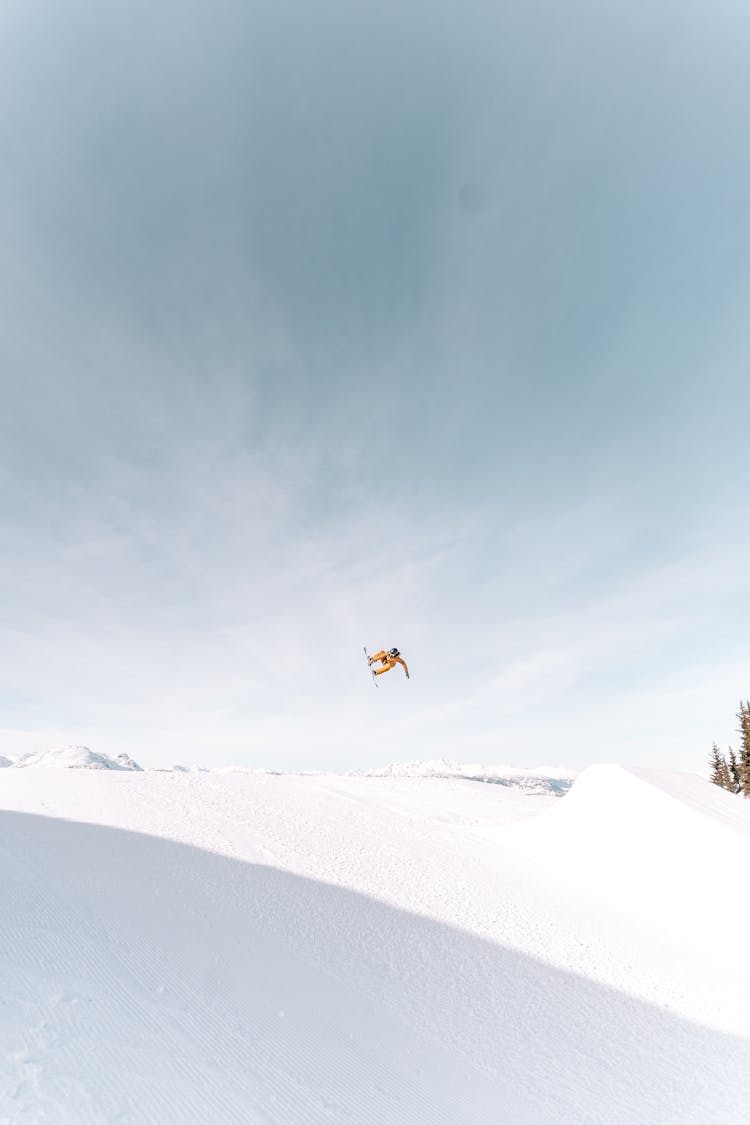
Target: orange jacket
[389,662]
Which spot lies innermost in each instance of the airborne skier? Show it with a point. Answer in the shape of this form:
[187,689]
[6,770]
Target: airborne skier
[388,660]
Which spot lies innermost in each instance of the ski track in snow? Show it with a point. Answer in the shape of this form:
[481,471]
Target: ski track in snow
[251,948]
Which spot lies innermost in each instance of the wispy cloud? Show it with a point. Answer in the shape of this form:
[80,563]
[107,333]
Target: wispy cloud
[432,337]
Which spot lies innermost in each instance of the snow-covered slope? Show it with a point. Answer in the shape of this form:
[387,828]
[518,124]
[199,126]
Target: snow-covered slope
[190,947]
[667,852]
[4,762]
[76,757]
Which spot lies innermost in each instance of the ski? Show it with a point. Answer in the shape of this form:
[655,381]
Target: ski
[367,658]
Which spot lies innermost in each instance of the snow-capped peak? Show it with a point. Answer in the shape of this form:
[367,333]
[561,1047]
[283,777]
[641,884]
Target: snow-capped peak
[76,757]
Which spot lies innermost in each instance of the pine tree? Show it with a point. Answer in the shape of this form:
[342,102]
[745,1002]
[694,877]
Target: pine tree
[743,765]
[719,770]
[734,772]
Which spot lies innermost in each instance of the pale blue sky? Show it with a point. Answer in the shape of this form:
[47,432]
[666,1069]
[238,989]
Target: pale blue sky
[329,324]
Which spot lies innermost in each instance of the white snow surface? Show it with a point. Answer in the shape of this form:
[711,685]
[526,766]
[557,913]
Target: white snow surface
[184,947]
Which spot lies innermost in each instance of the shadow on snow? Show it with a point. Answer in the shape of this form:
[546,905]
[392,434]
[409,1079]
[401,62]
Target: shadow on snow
[147,980]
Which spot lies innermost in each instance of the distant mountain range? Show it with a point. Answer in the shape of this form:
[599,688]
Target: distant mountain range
[72,757]
[535,779]
[538,779]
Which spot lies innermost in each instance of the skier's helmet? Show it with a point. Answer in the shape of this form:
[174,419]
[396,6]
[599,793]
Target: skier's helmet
[393,652]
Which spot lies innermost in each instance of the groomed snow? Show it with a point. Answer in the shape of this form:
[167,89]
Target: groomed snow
[242,947]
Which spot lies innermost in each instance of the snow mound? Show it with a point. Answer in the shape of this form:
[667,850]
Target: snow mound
[4,762]
[651,844]
[77,757]
[541,779]
[320,950]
